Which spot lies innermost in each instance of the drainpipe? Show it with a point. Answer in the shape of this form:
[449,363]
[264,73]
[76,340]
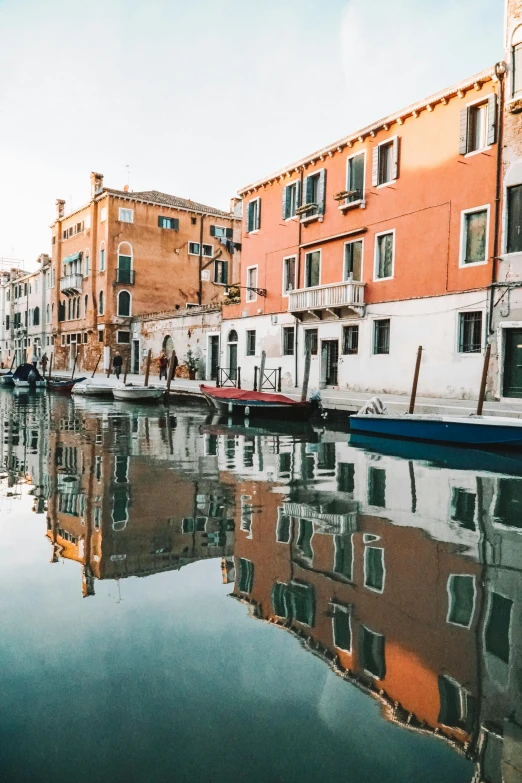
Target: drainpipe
[200,290]
[298,278]
[500,70]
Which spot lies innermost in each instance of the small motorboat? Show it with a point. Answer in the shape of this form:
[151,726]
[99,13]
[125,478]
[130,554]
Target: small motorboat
[132,393]
[6,379]
[91,387]
[63,384]
[27,376]
[492,432]
[259,404]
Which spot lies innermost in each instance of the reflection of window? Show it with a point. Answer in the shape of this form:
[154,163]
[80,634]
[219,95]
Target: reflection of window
[497,628]
[377,487]
[345,477]
[326,456]
[461,599]
[374,568]
[343,556]
[283,527]
[463,507]
[342,628]
[187,525]
[246,575]
[121,469]
[120,503]
[279,603]
[304,541]
[372,652]
[285,462]
[295,601]
[456,706]
[508,505]
[211,445]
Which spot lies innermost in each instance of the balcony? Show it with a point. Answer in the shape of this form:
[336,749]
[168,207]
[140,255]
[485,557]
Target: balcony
[328,299]
[71,284]
[125,276]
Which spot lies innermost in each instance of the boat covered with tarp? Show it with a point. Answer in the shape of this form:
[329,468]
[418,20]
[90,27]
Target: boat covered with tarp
[247,403]
[27,375]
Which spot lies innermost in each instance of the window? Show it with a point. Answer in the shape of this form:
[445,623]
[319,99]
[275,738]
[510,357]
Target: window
[345,477]
[478,125]
[517,68]
[168,222]
[86,264]
[100,335]
[341,626]
[474,236]
[374,568]
[283,528]
[457,707]
[100,304]
[304,540]
[372,653]
[381,336]
[508,503]
[350,339]
[353,256]
[461,599]
[288,341]
[384,252]
[124,304]
[102,258]
[120,504]
[126,215]
[385,163]
[36,316]
[125,273]
[311,341]
[291,199]
[193,220]
[343,556]
[253,215]
[377,487]
[355,178]
[463,507]
[103,214]
[246,575]
[221,232]
[251,342]
[514,214]
[498,627]
[194,249]
[221,272]
[312,269]
[85,306]
[47,316]
[470,332]
[123,337]
[251,281]
[314,195]
[288,274]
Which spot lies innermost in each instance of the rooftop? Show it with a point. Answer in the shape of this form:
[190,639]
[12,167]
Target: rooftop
[165,199]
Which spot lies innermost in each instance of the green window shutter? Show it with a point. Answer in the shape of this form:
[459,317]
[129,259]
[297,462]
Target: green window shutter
[395,158]
[375,167]
[225,273]
[298,195]
[258,222]
[212,231]
[308,190]
[250,215]
[160,222]
[285,202]
[463,138]
[229,233]
[321,192]
[492,119]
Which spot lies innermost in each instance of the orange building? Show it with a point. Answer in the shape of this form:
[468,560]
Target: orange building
[125,254]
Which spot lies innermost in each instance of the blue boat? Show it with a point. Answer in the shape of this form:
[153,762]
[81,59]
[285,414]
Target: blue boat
[492,432]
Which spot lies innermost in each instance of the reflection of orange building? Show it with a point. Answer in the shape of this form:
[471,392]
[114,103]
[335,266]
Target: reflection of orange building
[386,605]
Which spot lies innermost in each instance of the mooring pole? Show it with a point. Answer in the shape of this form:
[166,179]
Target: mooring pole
[262,370]
[483,380]
[74,365]
[415,380]
[306,375]
[170,376]
[97,363]
[50,365]
[125,370]
[147,370]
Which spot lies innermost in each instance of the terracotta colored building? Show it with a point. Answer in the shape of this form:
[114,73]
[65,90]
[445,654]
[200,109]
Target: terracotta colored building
[125,254]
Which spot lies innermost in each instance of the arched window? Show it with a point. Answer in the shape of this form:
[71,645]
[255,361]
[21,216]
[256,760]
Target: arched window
[232,336]
[125,272]
[168,345]
[124,303]
[86,304]
[516,64]
[100,303]
[102,257]
[36,316]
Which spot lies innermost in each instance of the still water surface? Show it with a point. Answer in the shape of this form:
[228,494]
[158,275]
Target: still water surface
[187,600]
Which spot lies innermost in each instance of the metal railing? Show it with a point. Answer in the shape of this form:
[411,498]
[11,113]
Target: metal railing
[349,293]
[125,276]
[271,380]
[229,376]
[71,283]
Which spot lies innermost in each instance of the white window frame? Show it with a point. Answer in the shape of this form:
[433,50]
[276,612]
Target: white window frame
[102,249]
[221,228]
[254,230]
[457,331]
[351,242]
[251,296]
[382,143]
[121,211]
[376,258]
[469,106]
[462,254]
[285,259]
[305,217]
[342,610]
[450,594]
[103,214]
[293,182]
[361,202]
[201,245]
[336,536]
[123,290]
[309,252]
[369,587]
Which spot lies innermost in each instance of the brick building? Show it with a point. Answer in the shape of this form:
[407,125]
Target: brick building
[125,254]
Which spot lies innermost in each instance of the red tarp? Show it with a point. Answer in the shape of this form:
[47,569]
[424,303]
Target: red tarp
[245,395]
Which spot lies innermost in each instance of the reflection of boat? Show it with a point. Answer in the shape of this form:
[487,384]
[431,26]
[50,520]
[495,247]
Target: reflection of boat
[27,376]
[258,404]
[131,393]
[442,456]
[93,388]
[7,379]
[483,431]
[224,425]
[65,385]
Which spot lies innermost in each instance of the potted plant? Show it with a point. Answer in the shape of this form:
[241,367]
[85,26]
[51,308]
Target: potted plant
[192,364]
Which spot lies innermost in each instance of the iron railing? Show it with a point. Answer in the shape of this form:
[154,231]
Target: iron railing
[229,376]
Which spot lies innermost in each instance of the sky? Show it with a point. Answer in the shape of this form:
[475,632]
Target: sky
[202,97]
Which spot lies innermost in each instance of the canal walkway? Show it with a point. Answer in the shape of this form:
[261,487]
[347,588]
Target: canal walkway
[340,401]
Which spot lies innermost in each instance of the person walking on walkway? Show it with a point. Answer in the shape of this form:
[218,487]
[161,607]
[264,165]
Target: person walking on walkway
[44,361]
[117,363]
[34,359]
[163,364]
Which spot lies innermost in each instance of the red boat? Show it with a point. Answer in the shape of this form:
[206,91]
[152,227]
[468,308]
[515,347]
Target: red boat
[248,404]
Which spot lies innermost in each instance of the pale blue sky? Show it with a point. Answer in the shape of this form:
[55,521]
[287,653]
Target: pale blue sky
[200,98]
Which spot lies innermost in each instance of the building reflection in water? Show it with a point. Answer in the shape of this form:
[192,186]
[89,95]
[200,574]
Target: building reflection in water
[399,566]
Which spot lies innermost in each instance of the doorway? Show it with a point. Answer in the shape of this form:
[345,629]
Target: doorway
[214,356]
[513,363]
[136,357]
[329,362]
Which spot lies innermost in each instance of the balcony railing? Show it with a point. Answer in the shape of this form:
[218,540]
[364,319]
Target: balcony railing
[125,276]
[71,284]
[322,297]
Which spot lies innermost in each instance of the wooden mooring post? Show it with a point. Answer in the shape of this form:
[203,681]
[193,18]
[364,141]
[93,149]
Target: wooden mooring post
[170,376]
[415,380]
[262,370]
[483,380]
[147,369]
[306,375]
[97,363]
[125,370]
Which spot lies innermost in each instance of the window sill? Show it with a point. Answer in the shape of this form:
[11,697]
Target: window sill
[311,219]
[464,265]
[477,152]
[360,203]
[386,184]
[249,233]
[382,279]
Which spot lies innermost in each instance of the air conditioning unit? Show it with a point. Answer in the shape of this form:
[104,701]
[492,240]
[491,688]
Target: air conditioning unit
[274,319]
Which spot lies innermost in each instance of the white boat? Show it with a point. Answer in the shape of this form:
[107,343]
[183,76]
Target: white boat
[20,384]
[93,387]
[27,376]
[133,393]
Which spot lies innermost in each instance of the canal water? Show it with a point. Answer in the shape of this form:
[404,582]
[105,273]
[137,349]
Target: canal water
[184,599]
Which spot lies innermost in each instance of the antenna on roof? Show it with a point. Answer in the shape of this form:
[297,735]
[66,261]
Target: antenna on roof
[128,176]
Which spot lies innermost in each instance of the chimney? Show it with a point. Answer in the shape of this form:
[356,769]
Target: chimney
[96,183]
[125,188]
[236,206]
[60,206]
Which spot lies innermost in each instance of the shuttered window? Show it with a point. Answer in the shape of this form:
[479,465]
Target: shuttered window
[478,126]
[314,195]
[342,627]
[291,199]
[221,232]
[514,218]
[221,272]
[355,178]
[254,215]
[372,652]
[385,164]
[461,599]
[168,222]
